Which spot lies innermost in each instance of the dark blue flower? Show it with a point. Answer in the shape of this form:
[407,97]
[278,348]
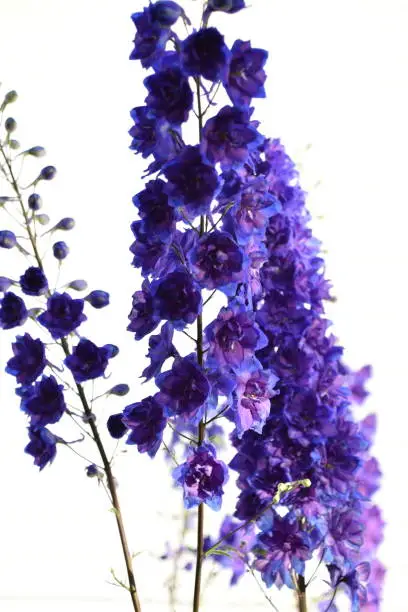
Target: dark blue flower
[170,95]
[177,298]
[116,427]
[160,348]
[148,249]
[246,76]
[12,311]
[183,389]
[217,261]
[8,239]
[202,477]
[98,298]
[34,282]
[150,39]
[42,446]
[192,182]
[153,136]
[142,317]
[229,137]
[146,422]
[204,53]
[87,361]
[355,580]
[29,359]
[63,315]
[43,402]
[153,205]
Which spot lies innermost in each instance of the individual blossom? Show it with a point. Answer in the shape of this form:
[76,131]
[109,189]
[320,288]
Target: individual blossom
[249,218]
[148,249]
[153,136]
[204,53]
[354,580]
[170,95]
[230,137]
[246,75]
[13,311]
[239,544]
[176,298]
[146,422]
[42,446]
[309,420]
[255,388]
[63,315]
[34,282]
[43,402]
[87,360]
[143,318]
[202,477]
[154,209]
[192,182]
[184,389]
[234,335]
[217,261]
[29,359]
[8,239]
[160,348]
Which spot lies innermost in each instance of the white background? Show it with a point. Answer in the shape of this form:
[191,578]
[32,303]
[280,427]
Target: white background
[338,82]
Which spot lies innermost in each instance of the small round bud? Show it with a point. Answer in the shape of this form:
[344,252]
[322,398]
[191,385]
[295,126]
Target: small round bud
[8,240]
[112,349]
[47,173]
[60,250]
[10,97]
[14,144]
[165,12]
[65,224]
[10,124]
[78,285]
[34,201]
[98,298]
[42,219]
[36,152]
[115,426]
[120,389]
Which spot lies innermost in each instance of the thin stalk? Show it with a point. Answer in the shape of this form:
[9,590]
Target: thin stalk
[88,413]
[300,584]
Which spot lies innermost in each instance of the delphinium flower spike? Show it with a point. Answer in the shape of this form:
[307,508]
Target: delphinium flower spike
[56,318]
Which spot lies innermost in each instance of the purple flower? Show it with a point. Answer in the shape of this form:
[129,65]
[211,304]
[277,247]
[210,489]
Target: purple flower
[63,315]
[43,401]
[146,422]
[8,239]
[115,425]
[170,95]
[283,547]
[202,477]
[142,317]
[255,388]
[154,209]
[309,421]
[148,249]
[217,261]
[354,580]
[177,298]
[160,348]
[34,282]
[204,53]
[230,137]
[184,389]
[246,76]
[192,182]
[28,361]
[12,311]
[239,543]
[42,446]
[152,32]
[251,215]
[87,361]
[153,136]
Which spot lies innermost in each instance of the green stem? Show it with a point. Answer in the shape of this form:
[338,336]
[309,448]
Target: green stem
[88,413]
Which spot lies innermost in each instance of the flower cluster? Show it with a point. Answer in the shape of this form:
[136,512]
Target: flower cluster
[227,214]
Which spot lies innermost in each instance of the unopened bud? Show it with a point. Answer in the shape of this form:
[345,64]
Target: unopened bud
[42,219]
[8,239]
[60,250]
[98,298]
[78,285]
[10,124]
[14,144]
[47,173]
[34,201]
[120,389]
[35,152]
[67,223]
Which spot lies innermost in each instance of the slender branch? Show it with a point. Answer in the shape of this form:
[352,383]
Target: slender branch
[301,593]
[88,413]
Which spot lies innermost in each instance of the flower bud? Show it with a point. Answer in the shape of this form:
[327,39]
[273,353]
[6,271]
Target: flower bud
[34,201]
[112,349]
[8,240]
[47,173]
[10,97]
[120,389]
[67,223]
[78,285]
[92,471]
[42,219]
[60,250]
[35,152]
[165,12]
[98,298]
[5,283]
[14,144]
[227,6]
[10,124]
